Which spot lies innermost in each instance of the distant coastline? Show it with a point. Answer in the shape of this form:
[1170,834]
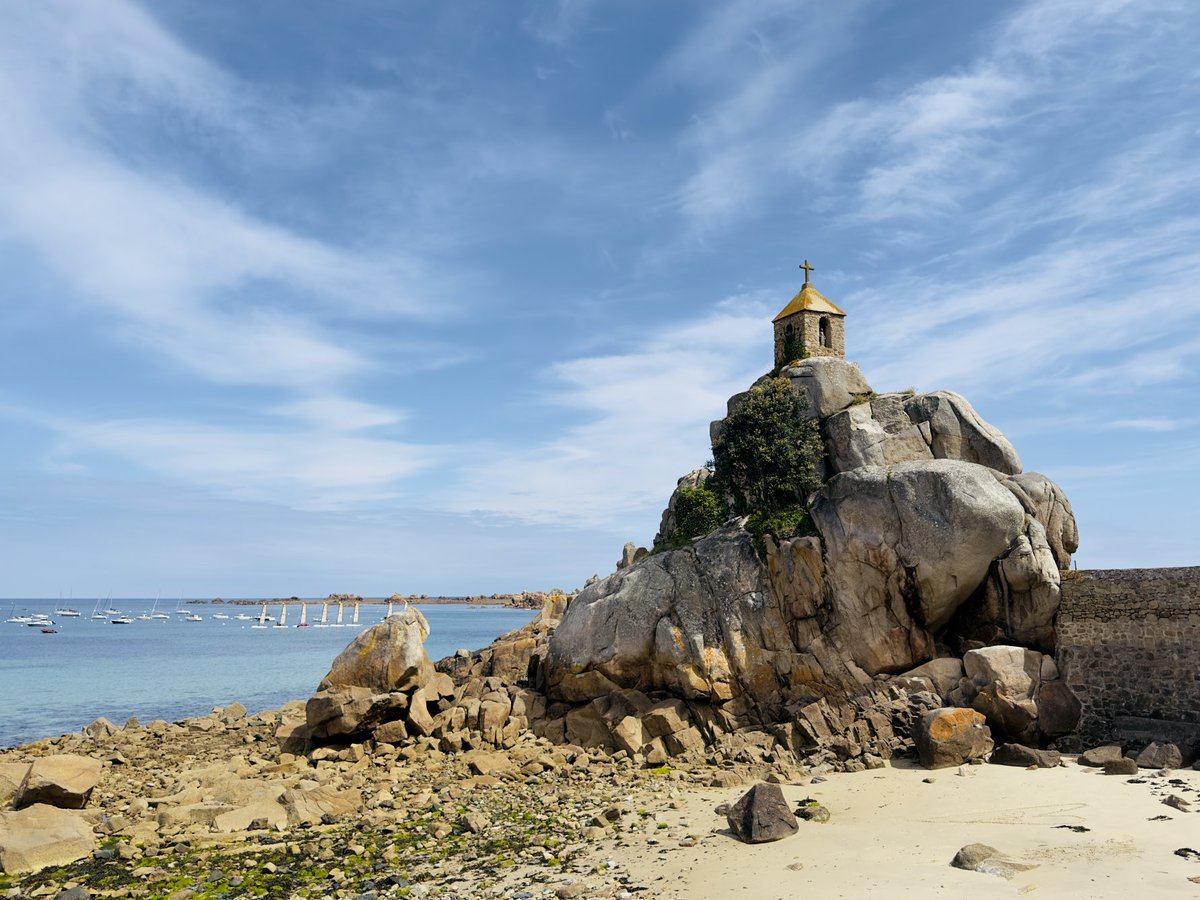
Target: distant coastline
[523,600]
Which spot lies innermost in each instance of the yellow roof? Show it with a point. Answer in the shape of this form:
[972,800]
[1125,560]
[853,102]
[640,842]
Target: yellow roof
[808,298]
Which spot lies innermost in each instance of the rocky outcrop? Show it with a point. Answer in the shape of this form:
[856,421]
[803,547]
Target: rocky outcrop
[929,539]
[1019,692]
[904,548]
[514,656]
[895,428]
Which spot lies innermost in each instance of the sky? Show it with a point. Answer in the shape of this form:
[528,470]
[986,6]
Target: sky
[440,297]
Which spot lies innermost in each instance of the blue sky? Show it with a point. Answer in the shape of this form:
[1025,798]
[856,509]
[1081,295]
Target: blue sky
[441,297]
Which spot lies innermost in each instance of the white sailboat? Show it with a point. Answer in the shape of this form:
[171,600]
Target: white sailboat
[339,623]
[67,612]
[96,614]
[154,613]
[14,619]
[282,623]
[354,622]
[391,609]
[303,616]
[324,623]
[262,619]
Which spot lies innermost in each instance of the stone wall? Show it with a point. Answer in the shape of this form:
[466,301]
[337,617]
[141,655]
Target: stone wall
[807,325]
[1129,646]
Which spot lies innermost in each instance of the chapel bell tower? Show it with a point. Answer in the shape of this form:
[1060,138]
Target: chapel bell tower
[809,326]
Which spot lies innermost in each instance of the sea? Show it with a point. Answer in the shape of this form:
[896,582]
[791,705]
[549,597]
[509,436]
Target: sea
[54,683]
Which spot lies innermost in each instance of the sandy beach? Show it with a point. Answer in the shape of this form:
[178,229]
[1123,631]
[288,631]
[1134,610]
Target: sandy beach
[892,834]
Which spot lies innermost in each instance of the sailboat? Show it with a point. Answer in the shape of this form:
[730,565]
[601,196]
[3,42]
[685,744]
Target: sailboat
[14,619]
[354,622]
[154,613]
[282,623]
[262,619]
[66,612]
[391,609]
[324,623]
[339,623]
[303,616]
[96,614]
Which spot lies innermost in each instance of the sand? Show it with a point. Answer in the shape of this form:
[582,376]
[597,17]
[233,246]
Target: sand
[893,835]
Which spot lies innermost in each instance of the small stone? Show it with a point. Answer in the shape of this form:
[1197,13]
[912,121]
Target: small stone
[813,812]
[1122,766]
[569,889]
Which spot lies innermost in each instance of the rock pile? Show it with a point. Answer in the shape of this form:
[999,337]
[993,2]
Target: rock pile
[931,539]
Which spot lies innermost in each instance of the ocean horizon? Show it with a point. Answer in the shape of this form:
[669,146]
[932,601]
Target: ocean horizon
[55,683]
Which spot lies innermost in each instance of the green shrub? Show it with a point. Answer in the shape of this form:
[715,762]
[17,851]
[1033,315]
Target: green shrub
[783,523]
[698,511]
[768,454]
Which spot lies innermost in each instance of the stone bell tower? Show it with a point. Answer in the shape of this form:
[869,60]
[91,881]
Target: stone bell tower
[809,326]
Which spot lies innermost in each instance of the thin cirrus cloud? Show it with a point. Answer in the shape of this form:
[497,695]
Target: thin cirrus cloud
[160,254]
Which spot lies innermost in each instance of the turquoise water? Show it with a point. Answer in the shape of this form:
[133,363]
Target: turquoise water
[51,684]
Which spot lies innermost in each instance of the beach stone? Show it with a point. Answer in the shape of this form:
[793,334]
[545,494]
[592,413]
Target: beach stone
[40,836]
[989,861]
[971,855]
[950,737]
[813,812]
[100,728]
[1122,766]
[1098,756]
[762,815]
[1160,756]
[323,803]
[1020,755]
[65,781]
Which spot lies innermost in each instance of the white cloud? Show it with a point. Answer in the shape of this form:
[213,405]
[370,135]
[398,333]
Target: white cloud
[295,468]
[646,415]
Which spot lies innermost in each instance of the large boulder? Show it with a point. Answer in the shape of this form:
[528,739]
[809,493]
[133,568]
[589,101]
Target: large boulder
[386,657]
[828,383]
[65,781]
[350,710]
[40,836]
[762,815]
[1046,502]
[896,428]
[904,547]
[1008,686]
[12,775]
[950,737]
